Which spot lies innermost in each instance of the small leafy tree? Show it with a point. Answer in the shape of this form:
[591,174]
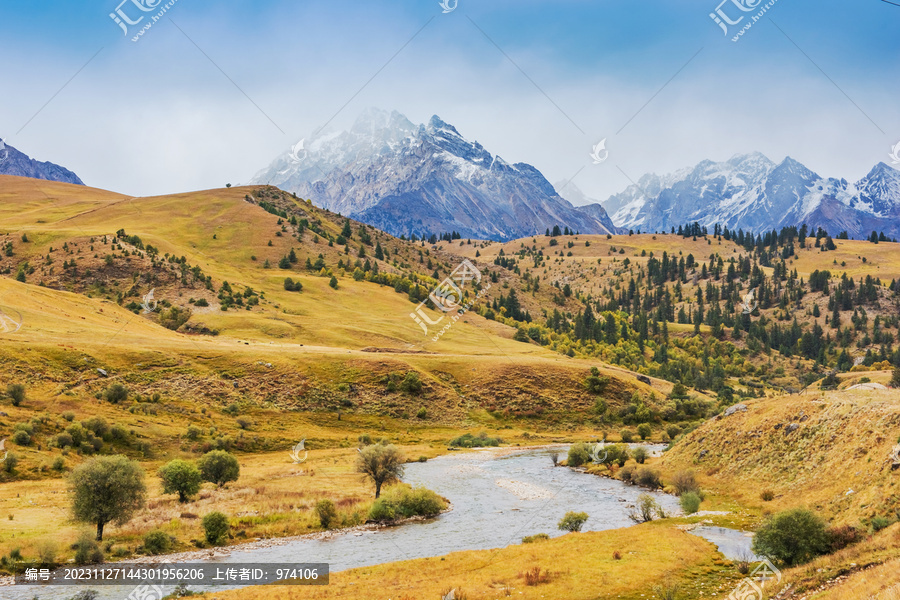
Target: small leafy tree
[16,393]
[215,527]
[792,537]
[579,454]
[595,383]
[573,521]
[382,464]
[107,489]
[690,502]
[639,455]
[645,431]
[180,477]
[326,512]
[219,467]
[646,509]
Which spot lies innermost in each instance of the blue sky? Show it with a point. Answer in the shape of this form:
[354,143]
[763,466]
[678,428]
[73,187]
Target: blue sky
[814,80]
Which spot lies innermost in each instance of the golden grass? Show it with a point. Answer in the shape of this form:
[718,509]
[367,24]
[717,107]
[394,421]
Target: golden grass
[577,566]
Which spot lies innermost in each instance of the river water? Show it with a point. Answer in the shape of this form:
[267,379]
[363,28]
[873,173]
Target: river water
[498,497]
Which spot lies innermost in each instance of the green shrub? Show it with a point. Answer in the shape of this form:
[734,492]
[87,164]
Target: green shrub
[627,436]
[645,509]
[422,413]
[215,527]
[115,393]
[639,454]
[573,521]
[579,454]
[193,433]
[87,550]
[879,523]
[219,467]
[645,431]
[157,542]
[21,438]
[411,384]
[68,416]
[59,465]
[97,425]
[9,465]
[16,393]
[482,440]
[674,431]
[792,537]
[403,501]
[538,537]
[690,502]
[767,495]
[326,512]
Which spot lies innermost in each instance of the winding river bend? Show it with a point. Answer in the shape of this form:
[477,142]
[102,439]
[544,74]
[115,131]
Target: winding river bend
[498,497]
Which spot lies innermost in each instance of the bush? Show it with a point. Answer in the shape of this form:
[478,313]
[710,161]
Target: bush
[422,413]
[767,495]
[9,465]
[627,435]
[87,550]
[538,537]
[326,512]
[685,481]
[647,478]
[645,509]
[16,393]
[193,433]
[841,536]
[690,502]
[157,542]
[219,467]
[21,438]
[202,303]
[674,431]
[879,523]
[411,384]
[639,455]
[482,440]
[645,431]
[180,477]
[59,465]
[404,501]
[792,537]
[579,454]
[627,474]
[68,416]
[97,425]
[573,521]
[215,527]
[115,393]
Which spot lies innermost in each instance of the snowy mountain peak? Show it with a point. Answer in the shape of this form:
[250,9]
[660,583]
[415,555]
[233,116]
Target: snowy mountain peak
[750,192]
[423,179]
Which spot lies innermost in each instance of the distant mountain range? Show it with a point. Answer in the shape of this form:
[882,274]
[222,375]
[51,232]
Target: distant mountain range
[422,179]
[13,162]
[752,193]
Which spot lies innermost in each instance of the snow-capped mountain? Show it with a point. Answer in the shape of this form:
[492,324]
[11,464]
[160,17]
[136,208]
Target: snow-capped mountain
[752,193]
[13,162]
[422,179]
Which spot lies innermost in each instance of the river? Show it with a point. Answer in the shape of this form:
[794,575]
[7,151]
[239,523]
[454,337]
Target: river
[497,496]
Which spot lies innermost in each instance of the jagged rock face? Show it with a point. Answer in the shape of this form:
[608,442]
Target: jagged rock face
[422,179]
[752,193]
[13,162]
